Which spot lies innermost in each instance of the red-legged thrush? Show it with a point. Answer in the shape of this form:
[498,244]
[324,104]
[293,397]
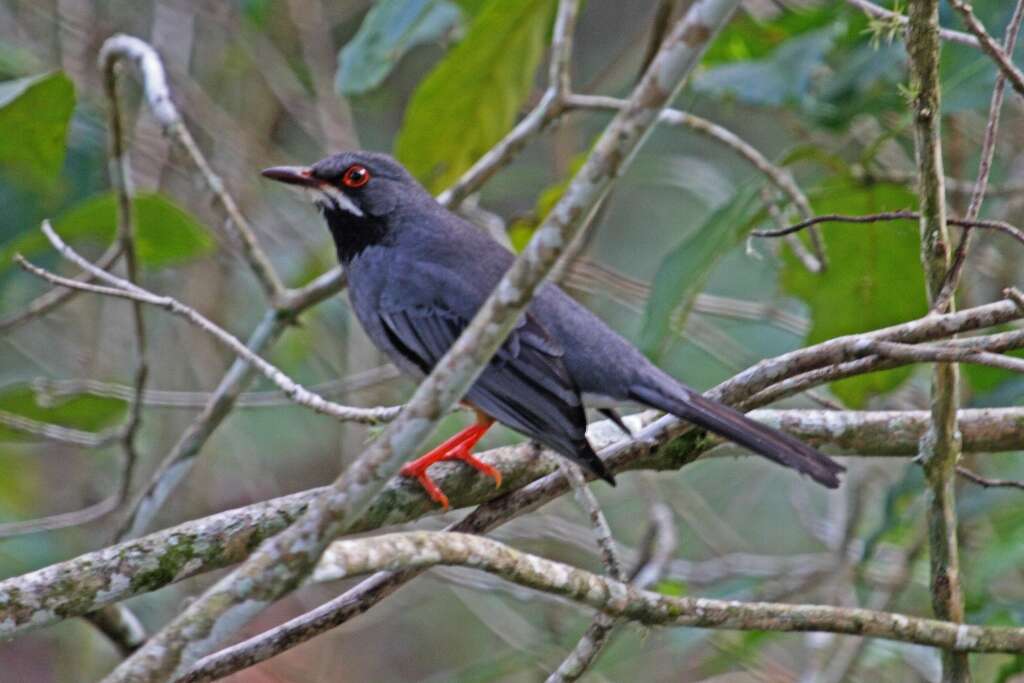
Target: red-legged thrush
[417,274]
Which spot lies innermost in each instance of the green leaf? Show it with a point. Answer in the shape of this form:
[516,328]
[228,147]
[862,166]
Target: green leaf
[34,116]
[874,277]
[166,234]
[390,29]
[684,271]
[90,413]
[783,77]
[471,98]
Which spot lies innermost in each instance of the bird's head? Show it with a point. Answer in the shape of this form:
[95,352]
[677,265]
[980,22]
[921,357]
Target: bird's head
[357,192]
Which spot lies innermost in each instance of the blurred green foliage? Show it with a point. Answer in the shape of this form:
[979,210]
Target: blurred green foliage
[85,412]
[391,29]
[166,235]
[874,279]
[470,99]
[34,117]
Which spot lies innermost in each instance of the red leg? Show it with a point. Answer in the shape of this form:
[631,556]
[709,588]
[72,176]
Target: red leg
[459,447]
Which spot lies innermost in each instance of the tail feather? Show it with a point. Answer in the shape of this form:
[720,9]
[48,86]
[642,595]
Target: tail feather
[585,457]
[719,418]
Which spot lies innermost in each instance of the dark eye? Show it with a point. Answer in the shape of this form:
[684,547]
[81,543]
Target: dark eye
[355,175]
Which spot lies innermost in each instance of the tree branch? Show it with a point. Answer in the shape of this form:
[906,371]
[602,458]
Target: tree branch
[150,71]
[41,598]
[871,9]
[424,549]
[281,563]
[1000,56]
[940,447]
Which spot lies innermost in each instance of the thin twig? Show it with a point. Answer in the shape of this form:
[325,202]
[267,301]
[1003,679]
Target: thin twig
[122,181]
[988,147]
[986,481]
[988,44]
[48,301]
[1001,226]
[775,174]
[150,71]
[47,389]
[52,432]
[296,392]
[874,10]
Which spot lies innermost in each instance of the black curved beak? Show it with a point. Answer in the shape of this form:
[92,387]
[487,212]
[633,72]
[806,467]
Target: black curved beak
[292,175]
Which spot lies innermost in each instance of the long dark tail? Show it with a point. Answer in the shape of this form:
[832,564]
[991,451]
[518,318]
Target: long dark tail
[735,426]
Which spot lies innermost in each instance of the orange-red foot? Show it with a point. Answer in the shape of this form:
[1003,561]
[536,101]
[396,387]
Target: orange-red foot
[459,447]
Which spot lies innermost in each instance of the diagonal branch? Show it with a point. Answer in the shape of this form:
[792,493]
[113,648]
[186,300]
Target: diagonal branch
[41,598]
[150,71]
[988,148]
[424,549]
[281,563]
[1001,57]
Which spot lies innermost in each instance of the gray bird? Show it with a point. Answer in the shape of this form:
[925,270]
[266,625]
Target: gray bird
[417,274]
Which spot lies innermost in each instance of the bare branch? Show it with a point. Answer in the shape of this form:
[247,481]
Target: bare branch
[423,549]
[986,482]
[1001,226]
[874,10]
[50,300]
[776,175]
[941,446]
[125,290]
[988,148]
[163,398]
[38,599]
[52,432]
[150,71]
[1000,56]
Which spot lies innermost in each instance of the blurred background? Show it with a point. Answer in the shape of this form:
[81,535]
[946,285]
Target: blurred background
[816,87]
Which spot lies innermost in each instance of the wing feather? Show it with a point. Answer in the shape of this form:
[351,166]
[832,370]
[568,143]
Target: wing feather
[525,386]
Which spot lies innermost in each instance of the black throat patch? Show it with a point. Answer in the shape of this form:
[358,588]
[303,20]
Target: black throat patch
[352,233]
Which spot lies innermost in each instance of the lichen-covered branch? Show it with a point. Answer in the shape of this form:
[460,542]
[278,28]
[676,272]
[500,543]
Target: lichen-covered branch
[422,549]
[83,584]
[940,447]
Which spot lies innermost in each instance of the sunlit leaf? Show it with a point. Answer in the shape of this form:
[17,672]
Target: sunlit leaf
[90,413]
[34,116]
[686,268]
[166,234]
[874,278]
[390,29]
[472,97]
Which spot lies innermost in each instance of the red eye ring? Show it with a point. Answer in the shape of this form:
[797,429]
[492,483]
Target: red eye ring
[355,176]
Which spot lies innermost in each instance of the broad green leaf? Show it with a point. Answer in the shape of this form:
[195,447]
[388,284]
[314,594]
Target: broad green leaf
[166,234]
[471,98]
[390,29]
[34,116]
[783,77]
[90,413]
[684,271]
[874,277]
